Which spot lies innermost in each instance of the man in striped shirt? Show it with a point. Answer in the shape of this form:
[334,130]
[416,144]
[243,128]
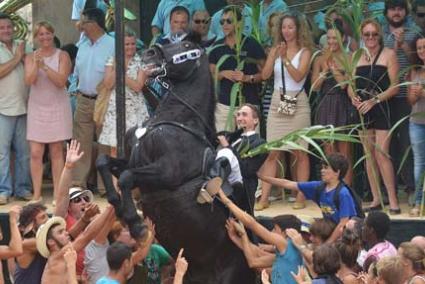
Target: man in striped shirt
[399,31]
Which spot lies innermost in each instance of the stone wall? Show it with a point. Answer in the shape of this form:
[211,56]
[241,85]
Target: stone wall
[58,12]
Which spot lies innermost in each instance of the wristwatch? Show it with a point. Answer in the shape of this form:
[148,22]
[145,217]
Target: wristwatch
[45,67]
[377,100]
[252,78]
[287,63]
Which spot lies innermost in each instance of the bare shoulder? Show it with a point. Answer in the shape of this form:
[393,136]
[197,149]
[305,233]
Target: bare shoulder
[63,55]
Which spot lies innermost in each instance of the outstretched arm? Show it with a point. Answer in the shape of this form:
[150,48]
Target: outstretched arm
[270,237]
[62,196]
[281,182]
[15,245]
[254,256]
[90,233]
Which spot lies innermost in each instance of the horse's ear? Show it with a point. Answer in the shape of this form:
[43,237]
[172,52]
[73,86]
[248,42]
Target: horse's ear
[194,37]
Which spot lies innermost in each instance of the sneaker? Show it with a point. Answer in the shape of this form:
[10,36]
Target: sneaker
[26,197]
[4,199]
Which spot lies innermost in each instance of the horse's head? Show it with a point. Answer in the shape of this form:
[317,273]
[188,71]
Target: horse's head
[177,61]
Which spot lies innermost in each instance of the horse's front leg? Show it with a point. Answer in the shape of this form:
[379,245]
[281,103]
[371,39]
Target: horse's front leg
[127,182]
[108,166]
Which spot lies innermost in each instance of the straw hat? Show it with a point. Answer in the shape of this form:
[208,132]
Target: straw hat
[41,237]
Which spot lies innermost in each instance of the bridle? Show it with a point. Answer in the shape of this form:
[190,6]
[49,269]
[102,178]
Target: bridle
[162,81]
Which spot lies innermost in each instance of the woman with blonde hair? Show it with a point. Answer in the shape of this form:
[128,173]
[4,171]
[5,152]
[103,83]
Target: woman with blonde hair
[330,80]
[413,259]
[289,61]
[376,82]
[49,110]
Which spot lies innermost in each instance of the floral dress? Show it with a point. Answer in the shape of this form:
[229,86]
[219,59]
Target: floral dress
[135,107]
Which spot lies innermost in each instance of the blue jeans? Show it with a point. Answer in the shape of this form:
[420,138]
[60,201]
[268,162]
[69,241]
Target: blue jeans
[417,140]
[13,130]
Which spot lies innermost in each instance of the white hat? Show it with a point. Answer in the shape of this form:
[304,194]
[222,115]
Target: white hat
[41,236]
[78,191]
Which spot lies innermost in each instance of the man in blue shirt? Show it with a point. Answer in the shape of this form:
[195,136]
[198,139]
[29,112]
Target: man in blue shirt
[120,265]
[332,174]
[89,68]
[216,27]
[267,7]
[179,25]
[161,21]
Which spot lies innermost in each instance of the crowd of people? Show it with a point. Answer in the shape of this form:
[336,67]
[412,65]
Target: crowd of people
[52,94]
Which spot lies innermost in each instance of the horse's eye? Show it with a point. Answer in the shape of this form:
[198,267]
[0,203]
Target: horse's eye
[150,52]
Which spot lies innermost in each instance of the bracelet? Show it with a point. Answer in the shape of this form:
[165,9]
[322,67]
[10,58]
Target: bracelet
[69,165]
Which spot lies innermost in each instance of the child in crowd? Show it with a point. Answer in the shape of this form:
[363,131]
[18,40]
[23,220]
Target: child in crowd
[339,208]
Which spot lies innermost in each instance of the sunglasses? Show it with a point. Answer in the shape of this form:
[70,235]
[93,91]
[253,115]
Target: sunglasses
[78,199]
[369,34]
[202,21]
[420,15]
[227,21]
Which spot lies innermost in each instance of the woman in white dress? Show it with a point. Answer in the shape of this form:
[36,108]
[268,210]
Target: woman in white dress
[135,108]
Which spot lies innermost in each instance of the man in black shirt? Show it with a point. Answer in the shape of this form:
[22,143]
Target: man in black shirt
[229,73]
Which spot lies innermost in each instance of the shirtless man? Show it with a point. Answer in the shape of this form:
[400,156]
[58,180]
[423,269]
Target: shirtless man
[30,265]
[53,241]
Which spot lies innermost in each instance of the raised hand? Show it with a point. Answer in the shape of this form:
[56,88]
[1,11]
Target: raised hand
[300,277]
[265,278]
[295,236]
[20,51]
[91,210]
[14,212]
[70,256]
[73,153]
[151,226]
[181,264]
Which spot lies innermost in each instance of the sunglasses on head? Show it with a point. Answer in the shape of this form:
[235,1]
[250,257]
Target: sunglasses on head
[201,21]
[227,21]
[369,34]
[78,199]
[420,15]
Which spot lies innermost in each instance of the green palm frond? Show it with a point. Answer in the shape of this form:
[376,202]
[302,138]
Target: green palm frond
[291,141]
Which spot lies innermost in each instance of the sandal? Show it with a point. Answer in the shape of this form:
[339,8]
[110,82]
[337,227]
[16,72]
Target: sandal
[261,206]
[298,205]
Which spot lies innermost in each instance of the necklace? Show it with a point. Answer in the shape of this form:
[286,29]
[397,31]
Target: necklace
[369,56]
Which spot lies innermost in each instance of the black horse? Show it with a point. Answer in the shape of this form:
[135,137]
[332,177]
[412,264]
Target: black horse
[168,163]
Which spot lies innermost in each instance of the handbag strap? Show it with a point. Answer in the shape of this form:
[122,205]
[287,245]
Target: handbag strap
[283,80]
[283,83]
[372,66]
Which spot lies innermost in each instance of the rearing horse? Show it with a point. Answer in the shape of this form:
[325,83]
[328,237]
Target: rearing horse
[168,163]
